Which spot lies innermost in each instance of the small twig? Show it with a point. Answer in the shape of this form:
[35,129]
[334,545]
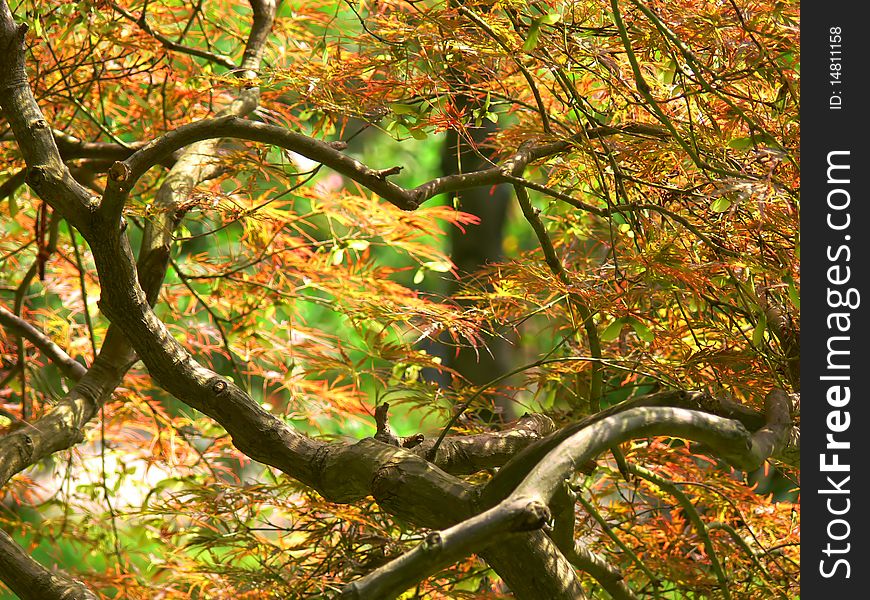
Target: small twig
[68,366]
[142,22]
[384,433]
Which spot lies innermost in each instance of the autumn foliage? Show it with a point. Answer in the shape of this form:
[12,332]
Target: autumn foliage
[652,149]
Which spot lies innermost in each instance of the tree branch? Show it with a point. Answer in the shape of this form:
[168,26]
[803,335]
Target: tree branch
[604,573]
[142,22]
[728,438]
[46,174]
[329,154]
[440,549]
[55,353]
[472,453]
[29,580]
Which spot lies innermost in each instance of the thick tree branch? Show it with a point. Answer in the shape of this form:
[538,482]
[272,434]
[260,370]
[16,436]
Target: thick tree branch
[72,148]
[728,438]
[62,427]
[441,549]
[46,174]
[472,453]
[31,581]
[261,27]
[329,154]
[517,468]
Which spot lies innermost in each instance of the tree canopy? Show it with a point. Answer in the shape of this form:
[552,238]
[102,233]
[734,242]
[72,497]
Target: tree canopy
[230,312]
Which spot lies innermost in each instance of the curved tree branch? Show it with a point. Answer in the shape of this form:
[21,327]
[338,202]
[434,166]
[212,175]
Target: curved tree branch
[125,175]
[55,353]
[443,548]
[142,22]
[472,453]
[728,438]
[31,581]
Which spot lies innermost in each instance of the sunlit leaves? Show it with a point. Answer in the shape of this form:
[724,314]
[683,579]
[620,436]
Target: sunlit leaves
[675,222]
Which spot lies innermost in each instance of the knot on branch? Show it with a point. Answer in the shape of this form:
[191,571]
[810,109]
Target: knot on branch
[413,441]
[36,176]
[119,172]
[536,515]
[218,386]
[25,449]
[433,542]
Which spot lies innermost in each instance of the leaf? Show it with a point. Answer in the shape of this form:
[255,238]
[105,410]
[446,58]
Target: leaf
[740,143]
[720,205]
[419,275]
[535,29]
[417,133]
[612,331]
[534,34]
[643,332]
[441,266]
[551,19]
[403,109]
[758,332]
[358,245]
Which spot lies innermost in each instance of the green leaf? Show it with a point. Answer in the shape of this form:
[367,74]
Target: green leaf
[758,332]
[642,331]
[418,134]
[418,276]
[794,296]
[551,19]
[403,109]
[740,143]
[13,203]
[534,34]
[667,74]
[720,205]
[612,331]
